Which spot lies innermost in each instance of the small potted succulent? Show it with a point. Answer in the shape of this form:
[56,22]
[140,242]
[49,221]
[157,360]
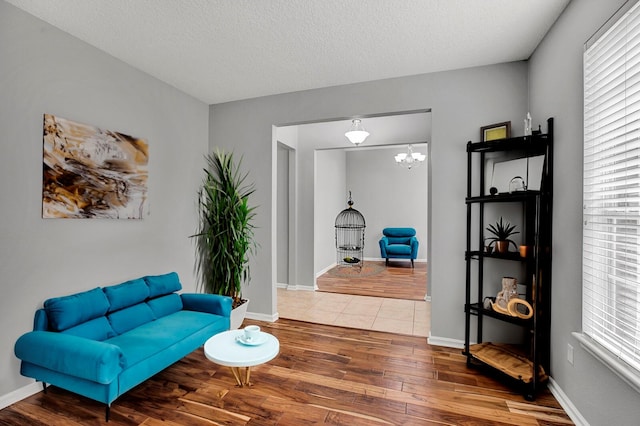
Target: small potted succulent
[501,232]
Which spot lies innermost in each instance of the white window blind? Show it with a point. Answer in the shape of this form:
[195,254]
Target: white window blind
[611,236]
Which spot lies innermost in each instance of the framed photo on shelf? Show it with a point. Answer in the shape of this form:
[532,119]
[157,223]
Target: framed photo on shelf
[496,131]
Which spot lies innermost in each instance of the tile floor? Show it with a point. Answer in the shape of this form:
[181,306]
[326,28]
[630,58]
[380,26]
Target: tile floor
[370,313]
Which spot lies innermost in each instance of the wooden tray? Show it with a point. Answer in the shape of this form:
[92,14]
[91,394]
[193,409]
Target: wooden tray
[506,359]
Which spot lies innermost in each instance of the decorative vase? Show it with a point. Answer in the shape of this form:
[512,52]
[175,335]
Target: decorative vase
[238,314]
[502,246]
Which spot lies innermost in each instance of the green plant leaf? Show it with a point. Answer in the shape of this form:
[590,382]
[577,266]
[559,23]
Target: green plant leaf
[225,235]
[502,231]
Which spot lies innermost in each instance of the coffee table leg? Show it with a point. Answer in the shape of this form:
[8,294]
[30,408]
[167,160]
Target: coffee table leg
[247,375]
[236,374]
[242,379]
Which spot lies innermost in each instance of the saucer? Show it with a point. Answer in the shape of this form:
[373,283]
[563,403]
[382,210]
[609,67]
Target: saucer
[254,342]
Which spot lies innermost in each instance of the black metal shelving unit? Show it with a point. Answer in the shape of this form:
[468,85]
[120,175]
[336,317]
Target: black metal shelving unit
[520,363]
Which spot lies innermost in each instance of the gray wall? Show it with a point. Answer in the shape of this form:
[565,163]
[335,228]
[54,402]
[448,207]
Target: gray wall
[43,70]
[556,90]
[461,102]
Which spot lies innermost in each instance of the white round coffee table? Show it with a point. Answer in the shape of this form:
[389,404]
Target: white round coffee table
[226,349]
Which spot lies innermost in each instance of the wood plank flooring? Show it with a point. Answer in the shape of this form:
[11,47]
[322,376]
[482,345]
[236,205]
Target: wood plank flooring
[398,281]
[323,375]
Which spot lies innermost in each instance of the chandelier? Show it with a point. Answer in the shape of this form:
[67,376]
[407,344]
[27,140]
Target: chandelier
[410,159]
[357,134]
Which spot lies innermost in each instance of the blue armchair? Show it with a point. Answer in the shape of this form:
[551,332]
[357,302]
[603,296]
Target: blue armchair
[399,243]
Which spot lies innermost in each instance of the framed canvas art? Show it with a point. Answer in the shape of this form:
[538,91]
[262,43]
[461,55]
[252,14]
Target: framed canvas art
[91,173]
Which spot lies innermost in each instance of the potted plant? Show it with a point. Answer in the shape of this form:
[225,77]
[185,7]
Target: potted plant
[501,232]
[225,235]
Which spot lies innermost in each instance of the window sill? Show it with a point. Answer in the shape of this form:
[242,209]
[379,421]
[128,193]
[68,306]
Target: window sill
[620,368]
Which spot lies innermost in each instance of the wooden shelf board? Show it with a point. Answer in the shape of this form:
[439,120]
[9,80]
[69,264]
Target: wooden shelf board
[506,359]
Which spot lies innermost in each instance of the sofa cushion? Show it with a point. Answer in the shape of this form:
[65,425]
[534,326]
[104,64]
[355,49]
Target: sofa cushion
[149,339]
[126,294]
[165,305]
[399,240]
[160,285]
[399,249]
[67,311]
[95,329]
[129,318]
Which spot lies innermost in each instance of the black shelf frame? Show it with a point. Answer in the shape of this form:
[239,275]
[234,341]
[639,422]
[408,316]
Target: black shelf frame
[537,211]
[478,309]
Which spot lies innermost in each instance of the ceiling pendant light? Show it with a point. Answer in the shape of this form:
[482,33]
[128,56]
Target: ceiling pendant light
[357,134]
[410,159]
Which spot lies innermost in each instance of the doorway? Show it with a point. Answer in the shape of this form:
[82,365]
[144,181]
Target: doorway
[317,204]
[325,166]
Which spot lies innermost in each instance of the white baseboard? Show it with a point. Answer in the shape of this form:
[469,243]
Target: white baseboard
[327,269]
[445,341]
[20,394]
[262,317]
[382,259]
[296,287]
[566,403]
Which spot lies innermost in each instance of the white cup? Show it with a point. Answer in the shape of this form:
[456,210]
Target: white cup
[251,333]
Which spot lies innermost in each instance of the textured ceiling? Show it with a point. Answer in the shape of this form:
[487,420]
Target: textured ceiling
[225,50]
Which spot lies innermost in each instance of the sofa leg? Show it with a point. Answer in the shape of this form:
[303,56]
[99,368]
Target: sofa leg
[412,263]
[386,262]
[44,387]
[107,412]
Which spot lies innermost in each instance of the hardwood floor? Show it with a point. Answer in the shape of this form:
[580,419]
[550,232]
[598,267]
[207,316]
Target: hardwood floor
[398,280]
[323,375]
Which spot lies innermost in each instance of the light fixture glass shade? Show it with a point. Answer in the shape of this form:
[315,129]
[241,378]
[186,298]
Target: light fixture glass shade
[357,134]
[400,157]
[410,159]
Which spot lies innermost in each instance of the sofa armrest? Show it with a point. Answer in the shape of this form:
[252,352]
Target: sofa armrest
[384,242]
[76,356]
[414,247]
[209,303]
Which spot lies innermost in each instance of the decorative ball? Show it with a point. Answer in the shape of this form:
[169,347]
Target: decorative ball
[493,190]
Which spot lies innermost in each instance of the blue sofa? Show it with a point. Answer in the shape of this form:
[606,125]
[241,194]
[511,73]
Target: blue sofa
[399,243]
[103,342]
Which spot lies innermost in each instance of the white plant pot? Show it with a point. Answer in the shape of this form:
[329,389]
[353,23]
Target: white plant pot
[238,314]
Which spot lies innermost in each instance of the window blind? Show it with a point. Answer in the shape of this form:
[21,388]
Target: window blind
[611,235]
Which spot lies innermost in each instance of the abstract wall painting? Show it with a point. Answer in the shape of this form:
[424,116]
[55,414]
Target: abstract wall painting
[92,173]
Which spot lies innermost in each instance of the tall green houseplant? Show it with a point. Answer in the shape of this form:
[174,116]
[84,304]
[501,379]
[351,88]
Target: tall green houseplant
[225,235]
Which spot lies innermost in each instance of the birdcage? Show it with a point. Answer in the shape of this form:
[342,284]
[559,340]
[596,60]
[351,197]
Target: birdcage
[350,226]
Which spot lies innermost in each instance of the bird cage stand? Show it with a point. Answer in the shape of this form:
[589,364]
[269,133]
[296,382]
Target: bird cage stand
[349,232]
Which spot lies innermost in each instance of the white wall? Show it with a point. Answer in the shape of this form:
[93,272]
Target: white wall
[43,70]
[461,102]
[556,90]
[388,195]
[330,199]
